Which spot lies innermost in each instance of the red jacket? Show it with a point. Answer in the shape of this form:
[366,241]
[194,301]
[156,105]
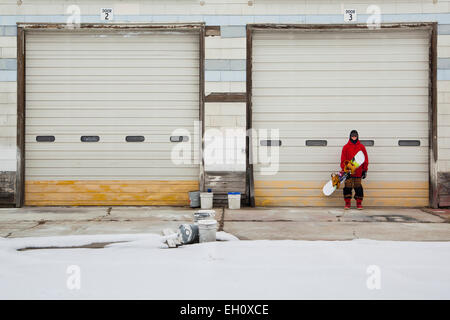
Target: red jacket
[349,151]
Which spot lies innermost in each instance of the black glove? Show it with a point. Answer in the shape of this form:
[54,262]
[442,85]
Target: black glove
[364,174]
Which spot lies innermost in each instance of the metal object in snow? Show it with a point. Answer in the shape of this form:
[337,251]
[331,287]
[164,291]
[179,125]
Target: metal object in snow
[188,233]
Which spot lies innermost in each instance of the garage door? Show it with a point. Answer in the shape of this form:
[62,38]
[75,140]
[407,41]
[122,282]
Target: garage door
[102,110]
[315,87]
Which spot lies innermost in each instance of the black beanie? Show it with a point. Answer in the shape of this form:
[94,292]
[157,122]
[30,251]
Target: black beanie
[352,133]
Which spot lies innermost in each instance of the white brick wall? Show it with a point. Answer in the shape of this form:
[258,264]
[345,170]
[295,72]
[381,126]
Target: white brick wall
[8,52]
[219,115]
[8,120]
[224,86]
[8,42]
[443,46]
[225,7]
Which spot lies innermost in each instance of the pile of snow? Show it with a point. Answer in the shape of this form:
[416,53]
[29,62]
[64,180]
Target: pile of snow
[223,236]
[144,268]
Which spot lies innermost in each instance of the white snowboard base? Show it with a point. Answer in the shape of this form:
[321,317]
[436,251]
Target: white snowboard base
[328,188]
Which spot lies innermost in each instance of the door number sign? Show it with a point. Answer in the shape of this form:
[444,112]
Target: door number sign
[106,14]
[350,15]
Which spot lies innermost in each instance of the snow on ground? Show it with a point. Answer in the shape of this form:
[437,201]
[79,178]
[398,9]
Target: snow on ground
[144,268]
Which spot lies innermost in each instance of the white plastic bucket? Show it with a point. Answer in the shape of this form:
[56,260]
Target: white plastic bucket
[207,230]
[234,200]
[204,215]
[206,200]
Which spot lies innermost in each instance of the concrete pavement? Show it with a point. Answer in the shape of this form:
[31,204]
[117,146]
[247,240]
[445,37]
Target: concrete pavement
[336,224]
[246,223]
[55,221]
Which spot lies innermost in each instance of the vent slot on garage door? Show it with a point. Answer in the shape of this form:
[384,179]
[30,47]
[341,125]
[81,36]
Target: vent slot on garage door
[409,143]
[316,143]
[179,139]
[45,138]
[135,139]
[270,143]
[90,139]
[367,143]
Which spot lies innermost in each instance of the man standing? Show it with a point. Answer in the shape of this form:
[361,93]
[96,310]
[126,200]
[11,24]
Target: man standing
[354,181]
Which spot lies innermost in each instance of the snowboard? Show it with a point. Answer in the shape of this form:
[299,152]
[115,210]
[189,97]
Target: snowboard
[338,178]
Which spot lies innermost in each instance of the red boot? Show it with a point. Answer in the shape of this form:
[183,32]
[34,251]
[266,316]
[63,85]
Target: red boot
[359,204]
[347,203]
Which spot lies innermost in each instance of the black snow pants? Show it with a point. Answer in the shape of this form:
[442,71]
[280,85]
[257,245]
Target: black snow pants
[353,183]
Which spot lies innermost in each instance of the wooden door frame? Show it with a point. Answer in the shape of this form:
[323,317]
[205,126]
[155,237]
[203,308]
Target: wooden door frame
[432,101]
[22,29]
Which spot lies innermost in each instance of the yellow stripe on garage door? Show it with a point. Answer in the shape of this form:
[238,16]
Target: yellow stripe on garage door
[309,193]
[112,192]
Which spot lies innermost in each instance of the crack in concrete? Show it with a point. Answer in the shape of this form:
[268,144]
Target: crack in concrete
[99,218]
[437,213]
[40,222]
